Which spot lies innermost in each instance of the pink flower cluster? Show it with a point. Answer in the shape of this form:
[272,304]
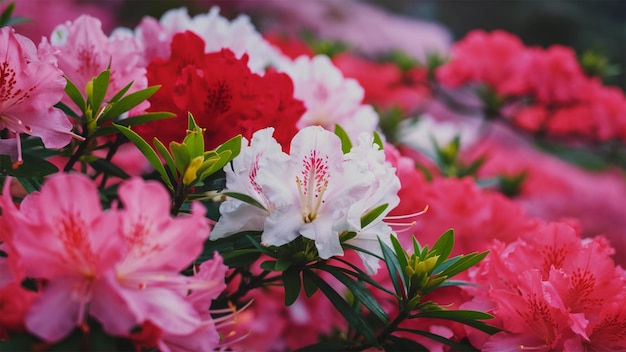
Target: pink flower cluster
[563,100]
[118,266]
[553,291]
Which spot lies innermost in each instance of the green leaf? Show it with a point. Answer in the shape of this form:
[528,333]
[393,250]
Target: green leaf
[352,317]
[181,156]
[467,317]
[292,284]
[378,141]
[30,185]
[222,159]
[283,264]
[359,274]
[147,151]
[165,154]
[394,269]
[32,166]
[74,93]
[463,263]
[145,118]
[19,19]
[128,102]
[6,14]
[245,198]
[360,292]
[455,345]
[194,139]
[241,258]
[346,144]
[108,168]
[372,215]
[233,145]
[309,285]
[443,246]
[269,265]
[400,254]
[121,93]
[100,87]
[399,344]
[67,111]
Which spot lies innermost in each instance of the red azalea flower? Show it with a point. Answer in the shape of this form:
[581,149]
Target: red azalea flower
[221,92]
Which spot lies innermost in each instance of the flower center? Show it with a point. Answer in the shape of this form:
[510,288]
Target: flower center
[312,183]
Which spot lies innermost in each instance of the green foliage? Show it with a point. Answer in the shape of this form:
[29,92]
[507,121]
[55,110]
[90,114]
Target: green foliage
[7,18]
[346,144]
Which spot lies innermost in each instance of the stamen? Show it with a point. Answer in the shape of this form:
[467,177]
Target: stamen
[407,216]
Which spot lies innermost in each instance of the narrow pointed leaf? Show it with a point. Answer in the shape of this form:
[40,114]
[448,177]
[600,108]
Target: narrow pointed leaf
[147,151]
[144,118]
[292,284]
[457,346]
[361,293]
[74,93]
[109,168]
[353,318]
[245,198]
[309,285]
[128,102]
[372,215]
[165,154]
[444,246]
[467,317]
[121,93]
[346,144]
[233,145]
[100,87]
[393,266]
[400,254]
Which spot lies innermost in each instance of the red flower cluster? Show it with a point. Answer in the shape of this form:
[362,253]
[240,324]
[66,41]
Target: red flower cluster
[386,85]
[563,101]
[221,92]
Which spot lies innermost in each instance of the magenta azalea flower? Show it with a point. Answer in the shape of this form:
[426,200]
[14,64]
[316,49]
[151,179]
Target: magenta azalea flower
[30,85]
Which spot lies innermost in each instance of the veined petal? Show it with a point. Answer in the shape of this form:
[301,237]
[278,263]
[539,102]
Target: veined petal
[55,314]
[154,240]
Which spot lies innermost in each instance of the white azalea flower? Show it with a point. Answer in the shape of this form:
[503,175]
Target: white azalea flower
[329,97]
[312,195]
[218,32]
[316,192]
[238,216]
[368,161]
[419,134]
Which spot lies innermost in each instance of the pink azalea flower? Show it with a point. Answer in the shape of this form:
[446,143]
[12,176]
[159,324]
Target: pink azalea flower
[70,244]
[551,292]
[119,266]
[84,51]
[30,85]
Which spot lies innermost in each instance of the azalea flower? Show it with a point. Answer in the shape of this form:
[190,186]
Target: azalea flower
[238,35]
[241,178]
[30,85]
[119,266]
[221,92]
[84,51]
[329,97]
[315,191]
[551,292]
